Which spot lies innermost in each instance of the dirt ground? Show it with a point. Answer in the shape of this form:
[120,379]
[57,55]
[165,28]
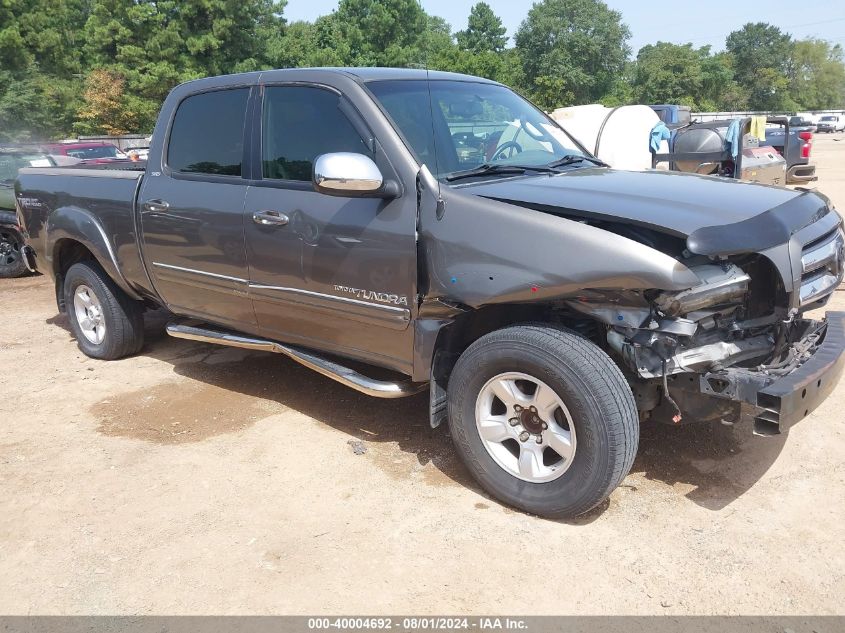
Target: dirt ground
[199,479]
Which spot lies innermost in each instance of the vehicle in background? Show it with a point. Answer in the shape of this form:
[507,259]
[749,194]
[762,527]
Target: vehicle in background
[830,123]
[137,154]
[673,115]
[796,152]
[727,148]
[12,262]
[625,137]
[547,302]
[90,153]
[800,123]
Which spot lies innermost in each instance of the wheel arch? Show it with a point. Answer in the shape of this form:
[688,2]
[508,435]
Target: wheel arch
[440,340]
[74,234]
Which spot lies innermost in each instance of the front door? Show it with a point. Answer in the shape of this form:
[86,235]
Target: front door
[192,211]
[333,273]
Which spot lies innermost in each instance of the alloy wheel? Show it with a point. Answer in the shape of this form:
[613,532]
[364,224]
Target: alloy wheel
[525,427]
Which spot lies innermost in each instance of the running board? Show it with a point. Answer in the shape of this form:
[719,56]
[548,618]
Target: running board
[330,369]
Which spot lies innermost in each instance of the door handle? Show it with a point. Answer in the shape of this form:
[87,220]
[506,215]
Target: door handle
[156,206]
[270,218]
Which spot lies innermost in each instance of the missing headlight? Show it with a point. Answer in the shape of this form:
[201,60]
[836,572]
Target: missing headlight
[721,285]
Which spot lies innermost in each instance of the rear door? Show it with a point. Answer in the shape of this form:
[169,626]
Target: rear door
[334,273]
[192,210]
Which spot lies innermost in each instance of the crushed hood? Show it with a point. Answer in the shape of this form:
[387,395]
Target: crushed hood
[669,202]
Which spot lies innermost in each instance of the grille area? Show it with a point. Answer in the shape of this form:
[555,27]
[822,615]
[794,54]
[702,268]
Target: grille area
[822,267]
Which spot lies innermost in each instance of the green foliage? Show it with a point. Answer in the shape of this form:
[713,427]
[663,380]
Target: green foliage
[484,32]
[682,74]
[37,107]
[105,66]
[669,73]
[155,45]
[761,55]
[817,74]
[381,32]
[572,51]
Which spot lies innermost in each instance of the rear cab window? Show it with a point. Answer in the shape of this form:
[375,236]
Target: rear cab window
[207,134]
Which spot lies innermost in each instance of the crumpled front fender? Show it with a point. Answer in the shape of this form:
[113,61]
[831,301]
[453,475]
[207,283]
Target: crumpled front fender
[482,252]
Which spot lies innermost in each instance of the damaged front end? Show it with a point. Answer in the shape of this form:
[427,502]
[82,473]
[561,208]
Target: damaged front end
[728,347]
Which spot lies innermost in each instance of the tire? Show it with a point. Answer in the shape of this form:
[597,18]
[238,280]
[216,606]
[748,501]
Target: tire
[11,257]
[122,331]
[598,413]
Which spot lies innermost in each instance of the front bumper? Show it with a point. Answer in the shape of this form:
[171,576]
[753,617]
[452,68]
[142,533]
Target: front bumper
[777,402]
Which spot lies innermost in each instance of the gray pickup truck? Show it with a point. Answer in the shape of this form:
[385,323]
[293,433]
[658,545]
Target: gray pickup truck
[443,232]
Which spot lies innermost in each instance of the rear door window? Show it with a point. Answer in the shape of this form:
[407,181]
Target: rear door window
[208,133]
[299,123]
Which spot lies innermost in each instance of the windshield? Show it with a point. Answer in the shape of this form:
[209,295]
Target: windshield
[98,151]
[828,118]
[466,125]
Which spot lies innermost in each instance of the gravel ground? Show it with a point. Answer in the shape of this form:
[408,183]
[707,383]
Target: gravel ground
[198,479]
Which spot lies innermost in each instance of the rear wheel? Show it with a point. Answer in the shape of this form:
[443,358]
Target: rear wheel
[11,257]
[107,323]
[543,418]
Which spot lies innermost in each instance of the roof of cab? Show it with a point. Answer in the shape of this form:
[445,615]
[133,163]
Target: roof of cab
[358,74]
[374,74]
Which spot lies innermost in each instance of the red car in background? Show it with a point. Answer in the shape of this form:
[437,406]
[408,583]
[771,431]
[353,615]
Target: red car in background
[96,152]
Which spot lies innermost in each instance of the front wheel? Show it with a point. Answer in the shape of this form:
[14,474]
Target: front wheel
[543,418]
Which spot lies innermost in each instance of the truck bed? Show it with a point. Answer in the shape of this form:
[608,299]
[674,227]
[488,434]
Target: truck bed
[107,199]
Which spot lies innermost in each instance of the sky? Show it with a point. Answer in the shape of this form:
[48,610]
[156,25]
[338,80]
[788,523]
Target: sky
[703,22]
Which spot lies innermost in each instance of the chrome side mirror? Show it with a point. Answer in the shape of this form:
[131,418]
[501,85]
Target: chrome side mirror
[346,174]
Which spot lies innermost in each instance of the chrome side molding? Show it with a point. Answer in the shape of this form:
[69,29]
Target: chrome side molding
[324,366]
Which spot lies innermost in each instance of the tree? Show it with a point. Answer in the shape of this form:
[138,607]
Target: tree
[719,89]
[381,32]
[40,62]
[669,73]
[622,91]
[37,107]
[761,54]
[107,109]
[46,33]
[572,51]
[817,75]
[155,44]
[484,31]
[679,73]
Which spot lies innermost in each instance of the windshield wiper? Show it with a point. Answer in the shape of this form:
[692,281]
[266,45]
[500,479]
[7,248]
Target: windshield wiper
[495,169]
[571,159]
[483,170]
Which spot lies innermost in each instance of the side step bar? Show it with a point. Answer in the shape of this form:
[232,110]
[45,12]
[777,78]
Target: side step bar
[331,369]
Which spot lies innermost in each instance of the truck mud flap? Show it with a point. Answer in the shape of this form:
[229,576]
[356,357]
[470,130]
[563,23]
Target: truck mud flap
[28,257]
